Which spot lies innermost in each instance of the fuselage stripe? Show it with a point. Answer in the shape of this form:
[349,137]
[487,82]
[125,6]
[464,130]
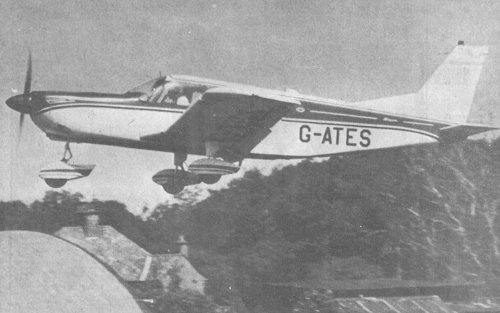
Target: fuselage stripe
[345,115]
[417,131]
[418,123]
[97,105]
[90,99]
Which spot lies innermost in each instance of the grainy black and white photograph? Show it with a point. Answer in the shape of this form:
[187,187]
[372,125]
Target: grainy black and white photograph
[180,156]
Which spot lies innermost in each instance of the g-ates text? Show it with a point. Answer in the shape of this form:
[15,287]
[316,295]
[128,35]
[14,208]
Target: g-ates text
[337,135]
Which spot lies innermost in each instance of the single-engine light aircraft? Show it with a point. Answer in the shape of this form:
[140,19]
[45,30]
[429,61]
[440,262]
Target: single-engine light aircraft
[228,122]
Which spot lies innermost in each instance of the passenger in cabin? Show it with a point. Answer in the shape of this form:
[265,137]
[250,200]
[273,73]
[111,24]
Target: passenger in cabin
[183,101]
[172,93]
[165,93]
[155,94]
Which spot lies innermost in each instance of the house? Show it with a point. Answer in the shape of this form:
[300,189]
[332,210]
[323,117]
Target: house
[130,261]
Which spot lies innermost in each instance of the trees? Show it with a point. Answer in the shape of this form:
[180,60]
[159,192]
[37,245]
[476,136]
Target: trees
[426,212]
[56,209]
[15,215]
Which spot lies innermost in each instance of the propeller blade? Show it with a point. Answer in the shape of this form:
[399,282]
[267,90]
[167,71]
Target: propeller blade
[27,82]
[26,92]
[20,129]
[21,121]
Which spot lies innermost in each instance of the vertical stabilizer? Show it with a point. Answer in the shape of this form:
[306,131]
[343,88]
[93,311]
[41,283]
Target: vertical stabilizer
[449,92]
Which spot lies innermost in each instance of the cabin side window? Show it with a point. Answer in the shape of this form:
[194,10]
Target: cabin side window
[168,94]
[174,93]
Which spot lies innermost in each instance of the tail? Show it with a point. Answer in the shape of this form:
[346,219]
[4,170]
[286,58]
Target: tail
[449,93]
[447,96]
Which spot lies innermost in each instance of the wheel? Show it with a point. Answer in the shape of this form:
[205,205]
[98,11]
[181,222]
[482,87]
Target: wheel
[55,183]
[209,178]
[173,188]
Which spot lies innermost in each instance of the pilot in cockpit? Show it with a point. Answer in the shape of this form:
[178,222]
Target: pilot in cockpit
[170,92]
[156,94]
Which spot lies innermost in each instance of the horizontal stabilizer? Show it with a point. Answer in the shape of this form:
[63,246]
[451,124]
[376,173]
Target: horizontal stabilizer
[456,133]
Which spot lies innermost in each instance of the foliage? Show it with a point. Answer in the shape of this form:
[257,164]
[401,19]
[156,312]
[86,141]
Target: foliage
[335,268]
[224,282]
[182,301]
[426,212]
[16,215]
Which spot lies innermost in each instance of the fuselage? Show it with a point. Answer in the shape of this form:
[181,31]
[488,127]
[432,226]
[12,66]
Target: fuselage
[110,119]
[320,127]
[228,122]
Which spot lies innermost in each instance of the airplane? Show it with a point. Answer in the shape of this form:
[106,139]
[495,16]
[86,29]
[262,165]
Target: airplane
[228,122]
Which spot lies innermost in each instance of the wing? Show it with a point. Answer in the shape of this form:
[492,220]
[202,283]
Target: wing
[237,119]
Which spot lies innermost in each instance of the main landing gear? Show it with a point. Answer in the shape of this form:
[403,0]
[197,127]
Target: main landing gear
[57,174]
[208,170]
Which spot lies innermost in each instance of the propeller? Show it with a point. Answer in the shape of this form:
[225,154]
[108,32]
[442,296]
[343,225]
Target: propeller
[27,82]
[26,96]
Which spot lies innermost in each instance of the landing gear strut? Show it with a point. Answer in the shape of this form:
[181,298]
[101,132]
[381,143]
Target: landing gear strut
[179,159]
[67,155]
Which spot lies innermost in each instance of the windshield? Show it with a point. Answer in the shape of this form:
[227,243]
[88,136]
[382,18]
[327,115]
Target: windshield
[145,88]
[170,91]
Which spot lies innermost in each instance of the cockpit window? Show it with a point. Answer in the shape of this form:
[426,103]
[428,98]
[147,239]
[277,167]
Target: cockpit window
[167,93]
[171,92]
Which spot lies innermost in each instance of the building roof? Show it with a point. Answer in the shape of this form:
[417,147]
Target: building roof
[129,260]
[42,273]
[431,304]
[478,305]
[371,284]
[111,247]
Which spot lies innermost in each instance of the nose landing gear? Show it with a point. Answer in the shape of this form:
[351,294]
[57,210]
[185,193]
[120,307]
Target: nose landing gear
[58,173]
